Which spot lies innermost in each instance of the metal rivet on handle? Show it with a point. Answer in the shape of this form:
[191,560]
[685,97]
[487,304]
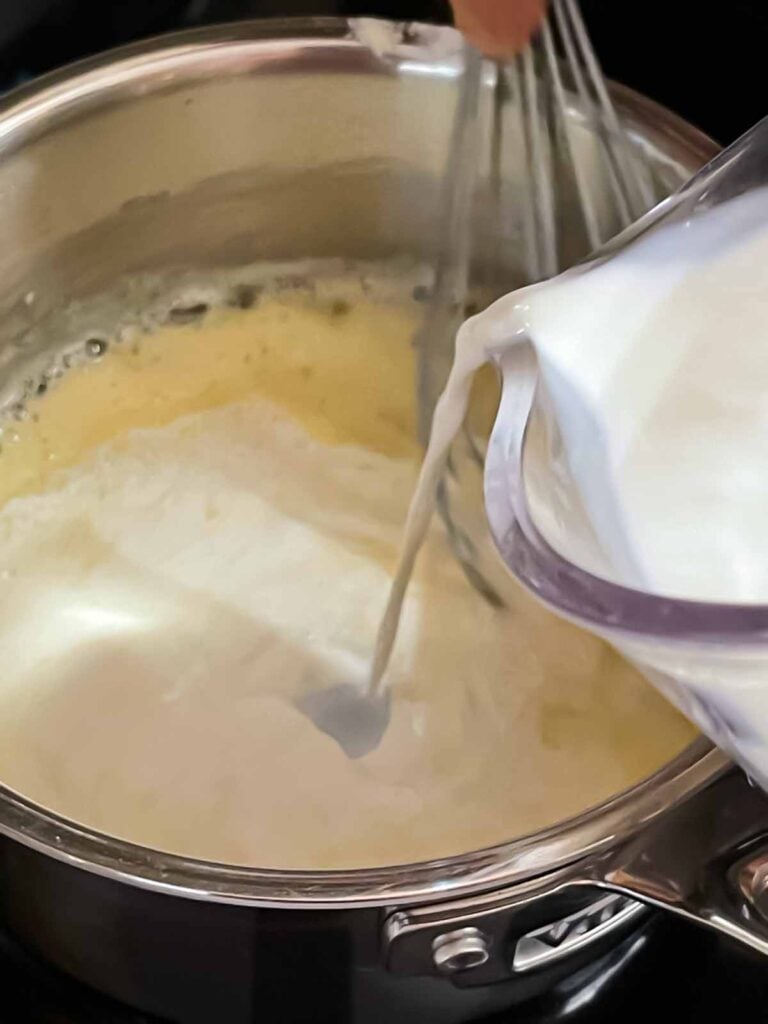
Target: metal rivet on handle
[460,950]
[752,878]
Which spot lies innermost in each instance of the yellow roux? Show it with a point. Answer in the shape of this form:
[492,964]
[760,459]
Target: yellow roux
[200,526]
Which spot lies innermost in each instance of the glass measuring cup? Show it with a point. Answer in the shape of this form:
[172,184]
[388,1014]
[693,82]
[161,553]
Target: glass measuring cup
[709,658]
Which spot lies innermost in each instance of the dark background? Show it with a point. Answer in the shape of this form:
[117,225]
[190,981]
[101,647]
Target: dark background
[709,67]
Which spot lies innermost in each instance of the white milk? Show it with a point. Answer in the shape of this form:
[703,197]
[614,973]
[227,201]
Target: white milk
[656,367]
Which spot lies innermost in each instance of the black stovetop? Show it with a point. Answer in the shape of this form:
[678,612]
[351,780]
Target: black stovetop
[671,972]
[677,51]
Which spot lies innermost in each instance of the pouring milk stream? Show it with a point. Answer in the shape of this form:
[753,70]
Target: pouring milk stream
[653,369]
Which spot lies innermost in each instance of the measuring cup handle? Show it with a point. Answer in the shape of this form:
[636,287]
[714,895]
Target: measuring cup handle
[706,860]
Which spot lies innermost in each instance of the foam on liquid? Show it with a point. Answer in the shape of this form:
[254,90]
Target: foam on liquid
[197,528]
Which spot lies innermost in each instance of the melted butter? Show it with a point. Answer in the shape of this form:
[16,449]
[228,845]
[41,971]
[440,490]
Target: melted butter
[293,350]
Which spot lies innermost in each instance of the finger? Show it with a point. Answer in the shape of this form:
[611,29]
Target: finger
[500,28]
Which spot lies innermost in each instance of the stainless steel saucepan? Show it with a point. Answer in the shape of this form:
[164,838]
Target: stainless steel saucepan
[283,140]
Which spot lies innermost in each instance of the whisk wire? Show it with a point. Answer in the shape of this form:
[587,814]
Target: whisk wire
[586,198]
[445,308]
[633,191]
[543,181]
[511,80]
[535,98]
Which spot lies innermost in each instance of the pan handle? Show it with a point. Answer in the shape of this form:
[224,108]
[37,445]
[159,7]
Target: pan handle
[705,860]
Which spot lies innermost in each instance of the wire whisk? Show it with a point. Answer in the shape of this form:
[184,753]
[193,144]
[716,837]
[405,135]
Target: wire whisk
[524,121]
